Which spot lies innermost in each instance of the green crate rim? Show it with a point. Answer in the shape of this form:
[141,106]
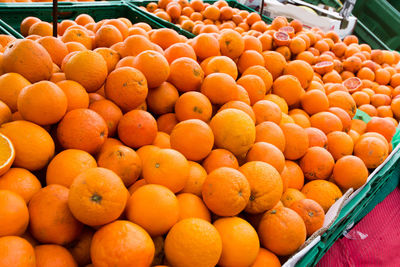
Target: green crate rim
[68,7]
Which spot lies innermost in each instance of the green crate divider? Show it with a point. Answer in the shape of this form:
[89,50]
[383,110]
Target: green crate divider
[6,29]
[332,3]
[368,37]
[231,3]
[137,4]
[395,4]
[382,19]
[13,14]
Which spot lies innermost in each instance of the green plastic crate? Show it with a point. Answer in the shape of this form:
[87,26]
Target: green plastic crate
[231,3]
[13,14]
[395,4]
[6,29]
[332,3]
[381,18]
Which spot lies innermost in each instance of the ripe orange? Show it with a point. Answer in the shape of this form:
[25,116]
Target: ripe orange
[189,132]
[350,172]
[317,163]
[312,214]
[282,231]
[265,185]
[226,191]
[97,196]
[324,192]
[193,242]
[16,251]
[133,242]
[240,244]
[53,255]
[14,213]
[166,167]
[51,221]
[153,207]
[192,206]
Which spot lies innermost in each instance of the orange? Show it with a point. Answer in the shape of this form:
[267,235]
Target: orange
[137,128]
[20,181]
[266,110]
[316,137]
[312,214]
[326,122]
[77,97]
[289,88]
[226,191]
[186,74]
[233,130]
[41,28]
[11,85]
[265,185]
[111,57]
[221,64]
[179,50]
[254,86]
[192,206]
[16,251]
[193,242]
[231,43]
[27,154]
[53,255]
[162,215]
[162,140]
[266,258]
[110,112]
[240,244]
[126,87]
[14,213]
[282,231]
[78,34]
[382,126]
[97,196]
[301,70]
[350,172]
[188,132]
[107,35]
[248,59]
[195,180]
[371,150]
[275,63]
[290,196]
[340,144]
[82,129]
[29,59]
[227,88]
[314,101]
[323,192]
[267,153]
[292,175]
[123,161]
[45,208]
[26,24]
[193,105]
[162,99]
[68,164]
[220,158]
[154,66]
[166,167]
[269,132]
[43,103]
[296,141]
[87,68]
[317,163]
[55,47]
[133,242]
[166,122]
[263,73]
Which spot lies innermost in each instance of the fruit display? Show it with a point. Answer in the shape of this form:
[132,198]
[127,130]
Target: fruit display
[123,145]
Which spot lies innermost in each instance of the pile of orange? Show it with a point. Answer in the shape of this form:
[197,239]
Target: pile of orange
[123,145]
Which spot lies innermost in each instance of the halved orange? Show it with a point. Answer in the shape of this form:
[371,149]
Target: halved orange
[7,154]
